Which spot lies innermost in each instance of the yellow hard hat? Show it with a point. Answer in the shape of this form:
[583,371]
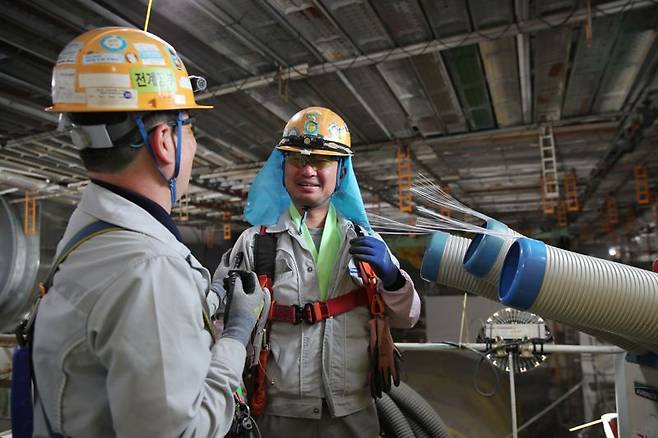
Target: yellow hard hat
[316,130]
[114,69]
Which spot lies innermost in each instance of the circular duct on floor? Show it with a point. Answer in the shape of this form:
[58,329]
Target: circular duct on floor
[19,263]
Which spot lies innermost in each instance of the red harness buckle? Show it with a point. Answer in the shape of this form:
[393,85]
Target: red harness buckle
[317,311]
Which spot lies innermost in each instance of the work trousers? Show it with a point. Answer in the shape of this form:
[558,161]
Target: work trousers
[361,424]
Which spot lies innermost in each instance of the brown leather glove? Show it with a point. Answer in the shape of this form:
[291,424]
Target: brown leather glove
[384,357]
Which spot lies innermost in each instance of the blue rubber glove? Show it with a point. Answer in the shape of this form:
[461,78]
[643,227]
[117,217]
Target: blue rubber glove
[375,252]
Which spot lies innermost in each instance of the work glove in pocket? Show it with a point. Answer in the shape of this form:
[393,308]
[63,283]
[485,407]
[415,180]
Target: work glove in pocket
[385,358]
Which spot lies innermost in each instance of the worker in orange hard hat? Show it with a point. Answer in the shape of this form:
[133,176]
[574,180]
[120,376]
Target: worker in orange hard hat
[325,350]
[122,344]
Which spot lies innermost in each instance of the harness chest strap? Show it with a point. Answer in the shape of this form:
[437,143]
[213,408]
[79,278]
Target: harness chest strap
[319,310]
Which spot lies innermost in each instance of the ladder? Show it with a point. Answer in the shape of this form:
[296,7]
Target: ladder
[548,162]
[571,191]
[227,225]
[29,214]
[404,179]
[642,194]
[184,209]
[561,214]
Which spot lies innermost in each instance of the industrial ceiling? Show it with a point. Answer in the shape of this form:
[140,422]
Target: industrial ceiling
[466,86]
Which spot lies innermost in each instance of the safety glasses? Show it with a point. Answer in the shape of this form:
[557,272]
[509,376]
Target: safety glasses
[316,161]
[186,122]
[174,123]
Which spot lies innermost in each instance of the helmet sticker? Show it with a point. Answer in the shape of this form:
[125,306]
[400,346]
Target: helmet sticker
[102,58]
[150,54]
[111,97]
[64,91]
[153,79]
[69,54]
[184,82]
[334,131]
[175,59]
[113,43]
[291,131]
[311,124]
[131,57]
[88,80]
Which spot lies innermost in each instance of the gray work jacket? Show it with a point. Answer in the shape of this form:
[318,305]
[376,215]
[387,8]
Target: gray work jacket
[120,347]
[325,360]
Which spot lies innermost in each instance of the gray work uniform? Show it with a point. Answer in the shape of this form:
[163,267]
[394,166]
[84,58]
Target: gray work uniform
[120,347]
[325,363]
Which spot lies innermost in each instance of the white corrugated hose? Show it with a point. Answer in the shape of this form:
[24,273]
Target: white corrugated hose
[581,290]
[442,264]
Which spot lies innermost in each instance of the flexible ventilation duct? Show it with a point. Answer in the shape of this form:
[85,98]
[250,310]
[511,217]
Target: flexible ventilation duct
[417,408]
[393,419]
[486,253]
[405,413]
[19,262]
[581,290]
[442,264]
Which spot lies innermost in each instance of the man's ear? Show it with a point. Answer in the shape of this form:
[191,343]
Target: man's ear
[162,144]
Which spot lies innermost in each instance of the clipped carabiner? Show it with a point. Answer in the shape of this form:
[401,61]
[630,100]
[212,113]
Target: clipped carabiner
[377,306]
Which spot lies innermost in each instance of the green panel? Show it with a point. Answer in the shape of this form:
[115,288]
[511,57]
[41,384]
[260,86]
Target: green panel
[468,79]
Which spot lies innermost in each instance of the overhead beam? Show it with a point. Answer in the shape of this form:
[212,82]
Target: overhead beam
[628,139]
[574,126]
[523,54]
[30,110]
[5,78]
[303,71]
[226,145]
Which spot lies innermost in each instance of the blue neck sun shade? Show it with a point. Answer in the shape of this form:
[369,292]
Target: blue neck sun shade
[268,197]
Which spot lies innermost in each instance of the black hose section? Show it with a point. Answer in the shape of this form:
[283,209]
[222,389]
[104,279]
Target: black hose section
[392,418]
[419,431]
[411,402]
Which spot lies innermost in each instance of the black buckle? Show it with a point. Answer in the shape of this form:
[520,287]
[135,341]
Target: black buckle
[309,314]
[23,332]
[304,313]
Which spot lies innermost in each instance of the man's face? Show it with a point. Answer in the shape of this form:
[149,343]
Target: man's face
[187,156]
[310,179]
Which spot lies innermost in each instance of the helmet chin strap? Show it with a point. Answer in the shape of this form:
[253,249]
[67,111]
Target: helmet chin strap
[178,146]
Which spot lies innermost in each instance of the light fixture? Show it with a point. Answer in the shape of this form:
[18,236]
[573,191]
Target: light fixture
[612,251]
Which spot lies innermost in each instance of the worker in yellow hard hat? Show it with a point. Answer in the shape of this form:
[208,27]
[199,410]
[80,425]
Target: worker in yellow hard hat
[122,343]
[325,350]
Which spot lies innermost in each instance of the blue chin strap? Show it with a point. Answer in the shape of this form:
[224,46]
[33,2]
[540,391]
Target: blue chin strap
[179,136]
[268,198]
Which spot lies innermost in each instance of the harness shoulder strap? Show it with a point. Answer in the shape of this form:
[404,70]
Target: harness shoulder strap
[88,232]
[22,405]
[369,279]
[264,257]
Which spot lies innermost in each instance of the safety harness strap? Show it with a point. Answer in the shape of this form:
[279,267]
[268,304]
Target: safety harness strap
[22,406]
[311,313]
[264,256]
